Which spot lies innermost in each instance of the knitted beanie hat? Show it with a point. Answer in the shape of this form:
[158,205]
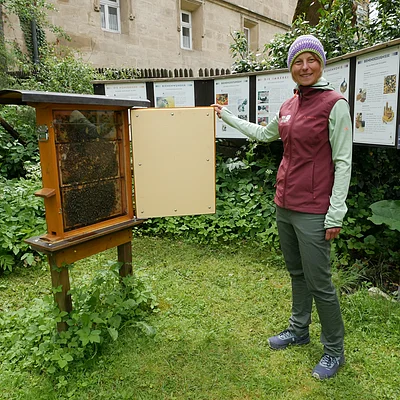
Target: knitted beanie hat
[306,43]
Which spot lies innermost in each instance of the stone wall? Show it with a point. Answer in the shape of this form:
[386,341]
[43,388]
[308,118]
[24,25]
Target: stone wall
[150,35]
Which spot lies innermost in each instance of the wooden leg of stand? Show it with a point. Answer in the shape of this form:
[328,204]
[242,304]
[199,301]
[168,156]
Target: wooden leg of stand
[60,277]
[125,256]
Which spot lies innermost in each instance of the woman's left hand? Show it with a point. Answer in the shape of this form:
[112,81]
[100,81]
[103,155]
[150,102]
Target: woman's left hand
[332,233]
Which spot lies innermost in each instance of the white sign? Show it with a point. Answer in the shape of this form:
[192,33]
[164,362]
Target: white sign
[338,75]
[136,91]
[375,104]
[271,91]
[232,93]
[174,94]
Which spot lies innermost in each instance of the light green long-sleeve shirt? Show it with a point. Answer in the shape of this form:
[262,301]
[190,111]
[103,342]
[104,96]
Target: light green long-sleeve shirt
[340,138]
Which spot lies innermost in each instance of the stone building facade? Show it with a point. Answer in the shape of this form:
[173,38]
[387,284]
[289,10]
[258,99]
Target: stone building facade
[162,34]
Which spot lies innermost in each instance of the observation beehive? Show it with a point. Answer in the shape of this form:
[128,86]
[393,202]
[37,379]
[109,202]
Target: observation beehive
[85,160]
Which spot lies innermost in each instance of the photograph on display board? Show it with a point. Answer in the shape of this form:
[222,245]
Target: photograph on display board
[165,102]
[222,99]
[343,87]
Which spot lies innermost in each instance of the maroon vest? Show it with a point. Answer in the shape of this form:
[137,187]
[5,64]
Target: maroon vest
[305,175]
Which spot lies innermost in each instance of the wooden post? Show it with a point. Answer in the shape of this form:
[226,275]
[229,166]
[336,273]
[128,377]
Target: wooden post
[64,252]
[125,256]
[60,277]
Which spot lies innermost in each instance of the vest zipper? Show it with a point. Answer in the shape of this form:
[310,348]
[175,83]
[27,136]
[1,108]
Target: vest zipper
[298,93]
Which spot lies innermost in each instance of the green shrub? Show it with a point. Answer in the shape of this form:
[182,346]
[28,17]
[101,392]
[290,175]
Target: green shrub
[102,307]
[22,216]
[60,70]
[14,153]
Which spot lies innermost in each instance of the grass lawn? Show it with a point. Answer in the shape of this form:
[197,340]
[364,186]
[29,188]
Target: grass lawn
[217,307]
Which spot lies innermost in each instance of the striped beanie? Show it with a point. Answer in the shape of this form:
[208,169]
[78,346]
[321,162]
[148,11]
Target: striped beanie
[306,43]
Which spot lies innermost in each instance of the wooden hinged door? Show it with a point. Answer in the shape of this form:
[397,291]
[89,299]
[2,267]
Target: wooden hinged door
[173,161]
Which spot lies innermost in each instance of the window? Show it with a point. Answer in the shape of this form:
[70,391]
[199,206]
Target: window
[251,33]
[110,18]
[246,32]
[186,30]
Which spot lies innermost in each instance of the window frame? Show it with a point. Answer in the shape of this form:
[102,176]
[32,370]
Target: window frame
[247,35]
[106,5]
[252,28]
[187,25]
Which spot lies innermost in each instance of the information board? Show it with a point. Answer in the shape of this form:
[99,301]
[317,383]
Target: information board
[174,94]
[234,95]
[338,75]
[376,97]
[271,91]
[126,90]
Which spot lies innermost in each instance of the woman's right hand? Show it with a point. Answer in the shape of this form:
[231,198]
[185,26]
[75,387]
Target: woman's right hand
[217,109]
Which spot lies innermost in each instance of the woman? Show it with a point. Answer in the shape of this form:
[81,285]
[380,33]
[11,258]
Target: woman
[311,189]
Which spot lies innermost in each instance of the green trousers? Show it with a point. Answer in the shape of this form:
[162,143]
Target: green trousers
[307,258]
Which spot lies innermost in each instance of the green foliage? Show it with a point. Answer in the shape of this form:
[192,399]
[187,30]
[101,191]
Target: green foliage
[337,29]
[245,60]
[115,74]
[244,203]
[32,15]
[60,70]
[15,153]
[41,44]
[386,212]
[362,244]
[29,9]
[102,307]
[384,26]
[22,216]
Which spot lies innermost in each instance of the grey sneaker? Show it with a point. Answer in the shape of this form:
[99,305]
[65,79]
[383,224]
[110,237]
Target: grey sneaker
[328,366]
[287,338]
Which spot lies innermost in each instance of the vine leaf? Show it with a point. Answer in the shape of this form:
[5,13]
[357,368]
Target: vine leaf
[386,212]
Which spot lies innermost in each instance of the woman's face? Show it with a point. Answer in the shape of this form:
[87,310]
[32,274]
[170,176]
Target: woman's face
[306,69]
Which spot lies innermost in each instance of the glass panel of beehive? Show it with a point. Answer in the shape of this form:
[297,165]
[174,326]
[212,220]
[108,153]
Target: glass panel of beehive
[89,203]
[88,144]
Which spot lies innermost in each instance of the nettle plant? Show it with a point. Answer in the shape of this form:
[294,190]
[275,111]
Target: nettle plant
[103,306]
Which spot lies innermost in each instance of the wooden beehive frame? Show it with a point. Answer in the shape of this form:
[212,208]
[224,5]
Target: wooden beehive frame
[51,178]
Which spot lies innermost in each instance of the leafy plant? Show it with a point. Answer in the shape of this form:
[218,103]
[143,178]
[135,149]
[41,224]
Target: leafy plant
[115,73]
[386,212]
[22,216]
[244,59]
[102,307]
[60,70]
[383,25]
[16,151]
